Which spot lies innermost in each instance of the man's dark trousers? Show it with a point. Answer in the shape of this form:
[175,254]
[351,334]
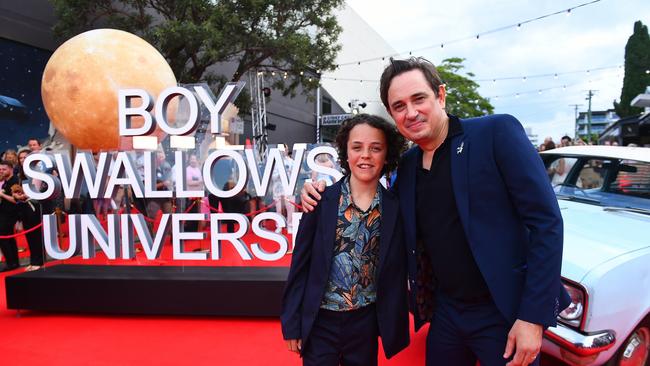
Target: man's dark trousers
[8,246]
[463,332]
[346,338]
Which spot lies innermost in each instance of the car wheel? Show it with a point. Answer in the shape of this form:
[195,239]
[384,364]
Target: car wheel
[636,349]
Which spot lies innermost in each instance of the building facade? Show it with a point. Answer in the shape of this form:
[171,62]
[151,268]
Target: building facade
[599,122]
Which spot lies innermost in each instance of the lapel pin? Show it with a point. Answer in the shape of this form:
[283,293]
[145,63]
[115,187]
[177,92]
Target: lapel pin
[459,149]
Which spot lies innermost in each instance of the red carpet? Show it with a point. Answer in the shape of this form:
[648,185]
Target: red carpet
[35,338]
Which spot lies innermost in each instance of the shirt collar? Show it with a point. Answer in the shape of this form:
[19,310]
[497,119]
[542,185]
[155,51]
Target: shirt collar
[455,128]
[346,197]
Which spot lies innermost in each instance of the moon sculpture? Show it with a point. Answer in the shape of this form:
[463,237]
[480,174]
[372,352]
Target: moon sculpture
[81,82]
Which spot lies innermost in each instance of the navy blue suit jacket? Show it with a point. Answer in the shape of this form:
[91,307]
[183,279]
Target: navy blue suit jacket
[310,269]
[509,214]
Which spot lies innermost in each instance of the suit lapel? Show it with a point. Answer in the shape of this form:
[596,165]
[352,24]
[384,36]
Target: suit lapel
[388,218]
[460,149]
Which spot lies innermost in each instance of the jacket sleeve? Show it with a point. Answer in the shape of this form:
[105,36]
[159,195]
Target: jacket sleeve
[298,275]
[529,189]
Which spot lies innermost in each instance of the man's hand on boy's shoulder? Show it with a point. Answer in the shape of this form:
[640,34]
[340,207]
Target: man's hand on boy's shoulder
[310,194]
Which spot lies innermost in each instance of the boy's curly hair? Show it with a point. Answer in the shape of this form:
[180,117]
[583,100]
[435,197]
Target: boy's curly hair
[395,142]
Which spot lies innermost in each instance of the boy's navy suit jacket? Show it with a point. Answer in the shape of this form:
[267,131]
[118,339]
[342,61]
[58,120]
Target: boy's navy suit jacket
[311,263]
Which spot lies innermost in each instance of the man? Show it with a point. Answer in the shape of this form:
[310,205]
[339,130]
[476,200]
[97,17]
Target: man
[483,228]
[566,141]
[8,215]
[34,145]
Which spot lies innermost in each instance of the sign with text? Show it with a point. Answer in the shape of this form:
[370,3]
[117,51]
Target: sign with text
[334,119]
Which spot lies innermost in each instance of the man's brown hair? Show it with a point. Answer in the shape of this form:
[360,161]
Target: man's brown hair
[397,67]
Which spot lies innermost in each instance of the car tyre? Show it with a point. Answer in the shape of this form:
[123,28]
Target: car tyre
[636,349]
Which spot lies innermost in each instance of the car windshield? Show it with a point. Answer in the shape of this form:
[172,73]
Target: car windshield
[615,183]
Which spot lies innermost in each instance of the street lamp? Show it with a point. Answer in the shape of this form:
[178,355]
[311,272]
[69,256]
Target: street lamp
[356,105]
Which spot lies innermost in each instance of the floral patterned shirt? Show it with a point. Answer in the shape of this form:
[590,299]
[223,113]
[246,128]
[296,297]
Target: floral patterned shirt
[351,283]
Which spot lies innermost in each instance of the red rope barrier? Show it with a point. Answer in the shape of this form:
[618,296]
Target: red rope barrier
[214,209]
[299,207]
[22,232]
[263,209]
[143,215]
[190,206]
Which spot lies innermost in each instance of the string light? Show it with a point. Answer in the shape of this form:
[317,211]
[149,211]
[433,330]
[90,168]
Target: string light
[519,27]
[494,80]
[477,36]
[537,91]
[502,78]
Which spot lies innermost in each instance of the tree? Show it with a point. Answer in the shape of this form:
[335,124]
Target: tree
[297,39]
[637,62]
[463,99]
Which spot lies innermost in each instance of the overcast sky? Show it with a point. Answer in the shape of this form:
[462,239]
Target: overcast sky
[591,37]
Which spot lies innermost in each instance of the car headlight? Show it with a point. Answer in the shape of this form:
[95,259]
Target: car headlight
[573,314]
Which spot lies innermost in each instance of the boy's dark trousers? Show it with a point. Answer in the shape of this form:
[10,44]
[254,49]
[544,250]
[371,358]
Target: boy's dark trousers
[346,338]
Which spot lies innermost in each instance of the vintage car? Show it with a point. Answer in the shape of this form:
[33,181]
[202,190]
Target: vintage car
[604,196]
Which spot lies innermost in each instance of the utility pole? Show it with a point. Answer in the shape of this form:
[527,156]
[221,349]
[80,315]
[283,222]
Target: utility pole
[590,94]
[577,128]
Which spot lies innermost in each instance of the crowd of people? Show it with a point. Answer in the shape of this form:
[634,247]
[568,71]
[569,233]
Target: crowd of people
[20,215]
[549,144]
[17,210]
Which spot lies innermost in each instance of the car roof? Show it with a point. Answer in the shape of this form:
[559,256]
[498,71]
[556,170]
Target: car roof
[604,151]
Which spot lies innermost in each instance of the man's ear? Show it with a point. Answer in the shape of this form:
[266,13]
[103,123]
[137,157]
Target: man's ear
[442,95]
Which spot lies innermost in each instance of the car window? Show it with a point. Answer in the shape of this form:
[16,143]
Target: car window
[632,179]
[592,174]
[558,170]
